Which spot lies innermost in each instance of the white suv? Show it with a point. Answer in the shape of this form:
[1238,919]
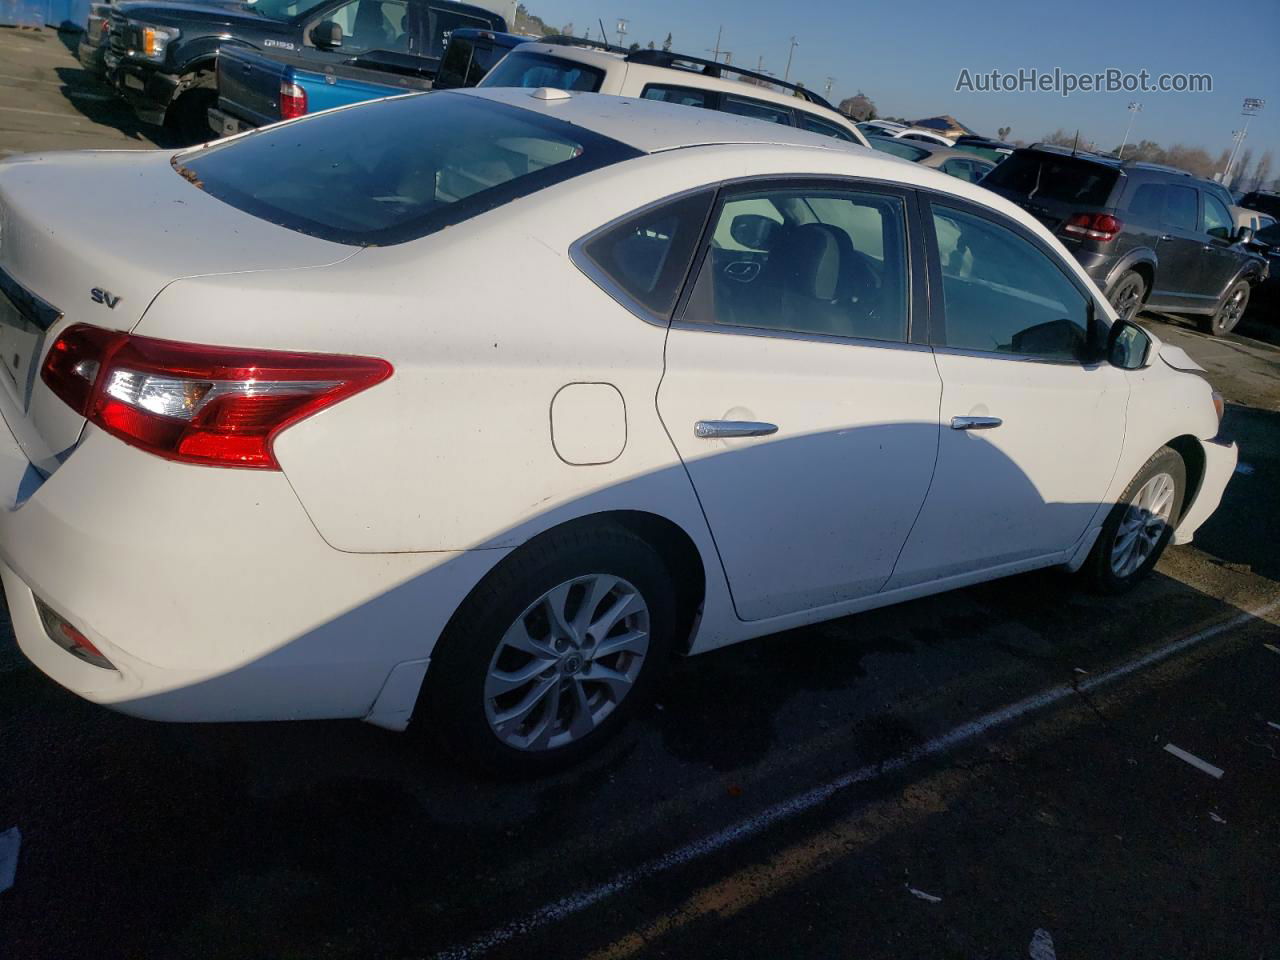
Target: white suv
[569,63]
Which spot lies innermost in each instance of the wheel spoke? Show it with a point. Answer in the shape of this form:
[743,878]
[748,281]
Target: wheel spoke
[556,602]
[583,721]
[633,641]
[518,637]
[526,706]
[625,605]
[617,683]
[546,726]
[504,681]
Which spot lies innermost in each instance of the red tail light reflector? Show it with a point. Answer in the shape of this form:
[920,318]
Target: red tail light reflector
[1097,226]
[220,406]
[293,100]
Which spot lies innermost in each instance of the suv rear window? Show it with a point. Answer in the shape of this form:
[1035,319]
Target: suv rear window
[396,169]
[520,69]
[1052,177]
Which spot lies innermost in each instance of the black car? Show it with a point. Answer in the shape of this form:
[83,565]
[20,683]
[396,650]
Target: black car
[1264,201]
[1147,234]
[162,54]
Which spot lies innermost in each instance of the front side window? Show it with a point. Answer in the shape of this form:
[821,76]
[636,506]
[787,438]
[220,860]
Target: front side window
[396,169]
[686,96]
[442,24]
[374,25]
[533,70]
[829,262]
[1180,207]
[825,127]
[1002,294]
[646,256]
[756,109]
[1217,220]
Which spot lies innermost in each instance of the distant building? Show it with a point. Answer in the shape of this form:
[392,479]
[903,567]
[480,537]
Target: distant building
[946,125]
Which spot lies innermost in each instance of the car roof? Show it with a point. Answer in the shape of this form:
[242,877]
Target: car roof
[653,126]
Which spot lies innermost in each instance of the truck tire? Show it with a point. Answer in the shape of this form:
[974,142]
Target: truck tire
[188,115]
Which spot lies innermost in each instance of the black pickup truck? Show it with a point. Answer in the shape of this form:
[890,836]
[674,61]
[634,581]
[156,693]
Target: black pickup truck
[257,88]
[162,54]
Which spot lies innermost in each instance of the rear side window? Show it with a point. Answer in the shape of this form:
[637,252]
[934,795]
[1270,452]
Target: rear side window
[520,69]
[825,127]
[756,109]
[1147,203]
[646,256]
[685,96]
[1180,207]
[1052,177]
[396,169]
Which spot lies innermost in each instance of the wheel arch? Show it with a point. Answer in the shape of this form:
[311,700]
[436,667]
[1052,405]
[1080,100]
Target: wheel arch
[1143,262]
[1192,453]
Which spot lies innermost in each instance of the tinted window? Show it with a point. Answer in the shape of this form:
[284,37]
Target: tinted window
[811,261]
[964,170]
[648,255]
[444,22]
[533,70]
[686,96]
[755,109]
[1217,220]
[396,169]
[898,149]
[1266,202]
[825,127]
[1147,203]
[1180,207]
[1051,177]
[1003,294]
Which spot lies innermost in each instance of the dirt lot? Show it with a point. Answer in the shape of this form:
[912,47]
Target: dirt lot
[982,774]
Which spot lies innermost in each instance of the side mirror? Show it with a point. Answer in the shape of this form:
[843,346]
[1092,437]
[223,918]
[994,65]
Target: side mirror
[752,230]
[1128,346]
[326,35]
[1244,234]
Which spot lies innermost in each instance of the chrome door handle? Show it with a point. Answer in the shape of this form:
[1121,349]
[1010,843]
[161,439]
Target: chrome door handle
[1166,236]
[724,429]
[975,423]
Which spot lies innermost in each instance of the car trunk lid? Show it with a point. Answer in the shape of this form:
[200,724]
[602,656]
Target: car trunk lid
[92,237]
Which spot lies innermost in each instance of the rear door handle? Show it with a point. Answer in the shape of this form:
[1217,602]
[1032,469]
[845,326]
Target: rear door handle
[975,423]
[1166,236]
[724,429]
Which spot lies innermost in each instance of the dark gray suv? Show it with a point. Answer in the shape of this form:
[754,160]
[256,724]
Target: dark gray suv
[1147,234]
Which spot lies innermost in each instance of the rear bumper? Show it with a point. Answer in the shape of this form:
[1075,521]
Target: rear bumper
[212,594]
[1219,464]
[225,125]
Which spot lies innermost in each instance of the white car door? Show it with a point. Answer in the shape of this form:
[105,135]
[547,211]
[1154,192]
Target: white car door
[804,414]
[1032,419]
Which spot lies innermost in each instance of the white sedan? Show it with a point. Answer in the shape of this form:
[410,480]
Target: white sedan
[472,409]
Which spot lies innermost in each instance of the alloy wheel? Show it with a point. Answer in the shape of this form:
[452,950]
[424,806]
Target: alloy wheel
[567,662]
[1144,523]
[1127,298]
[1232,310]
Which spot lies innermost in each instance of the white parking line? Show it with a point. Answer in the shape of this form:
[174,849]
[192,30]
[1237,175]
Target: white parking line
[575,903]
[43,113]
[48,83]
[1191,758]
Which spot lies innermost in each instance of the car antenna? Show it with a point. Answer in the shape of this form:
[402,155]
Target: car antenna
[603,36]
[1076,143]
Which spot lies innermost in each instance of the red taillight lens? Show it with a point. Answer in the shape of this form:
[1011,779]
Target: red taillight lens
[219,406]
[293,100]
[1097,226]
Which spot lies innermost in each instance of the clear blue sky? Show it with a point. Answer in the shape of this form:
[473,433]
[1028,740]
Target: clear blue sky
[906,55]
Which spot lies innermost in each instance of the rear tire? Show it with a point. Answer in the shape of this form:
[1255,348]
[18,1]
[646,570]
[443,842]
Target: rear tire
[1128,294]
[1230,309]
[1139,526]
[188,117]
[525,641]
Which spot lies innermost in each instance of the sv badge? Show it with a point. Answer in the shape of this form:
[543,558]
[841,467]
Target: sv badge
[104,297]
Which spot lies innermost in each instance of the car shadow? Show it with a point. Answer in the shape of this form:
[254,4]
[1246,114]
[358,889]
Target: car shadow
[95,100]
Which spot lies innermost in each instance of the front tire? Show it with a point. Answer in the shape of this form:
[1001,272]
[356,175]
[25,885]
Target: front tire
[552,654]
[1139,526]
[188,117]
[1230,309]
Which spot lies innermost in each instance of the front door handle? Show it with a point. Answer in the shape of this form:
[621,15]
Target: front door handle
[725,429]
[975,423]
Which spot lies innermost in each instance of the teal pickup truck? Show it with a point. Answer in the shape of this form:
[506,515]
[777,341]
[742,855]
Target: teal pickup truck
[256,87]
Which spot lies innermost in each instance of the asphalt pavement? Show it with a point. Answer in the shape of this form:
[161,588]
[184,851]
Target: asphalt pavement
[982,774]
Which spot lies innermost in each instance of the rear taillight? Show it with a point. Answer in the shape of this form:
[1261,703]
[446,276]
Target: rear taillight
[293,100]
[219,406]
[1096,226]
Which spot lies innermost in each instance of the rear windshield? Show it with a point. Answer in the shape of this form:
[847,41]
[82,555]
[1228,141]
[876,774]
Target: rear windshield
[899,149]
[394,170]
[521,69]
[1051,177]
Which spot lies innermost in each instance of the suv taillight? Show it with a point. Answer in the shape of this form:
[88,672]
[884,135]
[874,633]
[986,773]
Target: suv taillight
[293,100]
[1096,226]
[219,406]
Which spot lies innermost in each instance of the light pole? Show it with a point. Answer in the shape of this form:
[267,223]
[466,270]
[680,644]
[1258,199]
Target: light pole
[622,30]
[1251,107]
[787,75]
[830,83]
[1135,108]
[715,54]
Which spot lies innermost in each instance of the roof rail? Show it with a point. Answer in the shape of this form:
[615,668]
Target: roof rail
[1162,167]
[565,40]
[713,68]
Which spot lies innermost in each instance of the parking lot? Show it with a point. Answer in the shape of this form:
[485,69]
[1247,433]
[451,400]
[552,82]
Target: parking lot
[983,773]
